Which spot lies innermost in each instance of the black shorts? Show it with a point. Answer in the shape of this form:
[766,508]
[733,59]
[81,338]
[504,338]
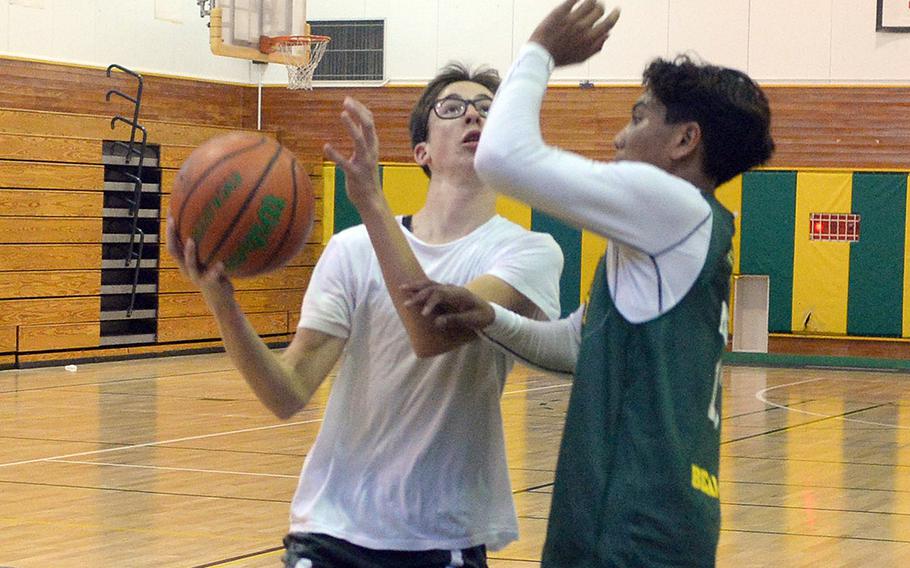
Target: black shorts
[308,550]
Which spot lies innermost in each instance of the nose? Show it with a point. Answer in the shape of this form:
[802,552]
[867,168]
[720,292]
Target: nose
[619,140]
[471,115]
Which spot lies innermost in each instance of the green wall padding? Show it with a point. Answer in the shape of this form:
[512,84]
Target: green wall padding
[569,239]
[768,208]
[346,214]
[875,296]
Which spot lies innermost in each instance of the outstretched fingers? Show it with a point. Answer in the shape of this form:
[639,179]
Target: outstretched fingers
[212,280]
[449,306]
[587,13]
[183,253]
[612,18]
[431,301]
[563,9]
[334,155]
[358,114]
[362,161]
[190,262]
[174,247]
[601,30]
[575,30]
[425,295]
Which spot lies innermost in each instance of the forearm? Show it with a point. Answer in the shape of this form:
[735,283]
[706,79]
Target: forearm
[400,266]
[606,198]
[272,379]
[548,345]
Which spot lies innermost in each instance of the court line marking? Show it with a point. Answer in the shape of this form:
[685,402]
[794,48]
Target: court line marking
[815,536]
[100,381]
[214,435]
[760,395]
[550,387]
[165,468]
[241,558]
[161,442]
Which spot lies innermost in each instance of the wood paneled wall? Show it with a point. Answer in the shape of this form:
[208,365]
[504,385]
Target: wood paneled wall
[841,127]
[582,120]
[814,126]
[69,88]
[51,179]
[310,119]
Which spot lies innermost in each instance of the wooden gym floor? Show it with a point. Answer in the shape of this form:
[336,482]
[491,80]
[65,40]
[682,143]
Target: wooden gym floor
[171,462]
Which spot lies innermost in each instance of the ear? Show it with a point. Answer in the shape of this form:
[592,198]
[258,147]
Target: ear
[687,140]
[422,154]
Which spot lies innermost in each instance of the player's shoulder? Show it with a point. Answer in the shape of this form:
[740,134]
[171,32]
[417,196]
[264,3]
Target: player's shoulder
[505,228]
[507,238]
[645,175]
[351,236]
[352,243]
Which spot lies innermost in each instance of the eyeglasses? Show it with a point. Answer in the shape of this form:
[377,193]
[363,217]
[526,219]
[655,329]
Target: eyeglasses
[454,106]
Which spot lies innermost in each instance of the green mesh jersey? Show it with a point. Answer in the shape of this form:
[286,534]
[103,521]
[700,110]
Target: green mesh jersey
[636,482]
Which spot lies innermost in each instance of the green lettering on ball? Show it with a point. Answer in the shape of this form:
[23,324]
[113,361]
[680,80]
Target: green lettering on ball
[257,237]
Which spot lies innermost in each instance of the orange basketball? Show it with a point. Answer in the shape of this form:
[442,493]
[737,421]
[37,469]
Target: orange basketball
[245,200]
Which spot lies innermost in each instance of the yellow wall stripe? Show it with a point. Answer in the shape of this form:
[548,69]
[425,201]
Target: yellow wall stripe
[405,188]
[328,202]
[821,269]
[514,211]
[730,195]
[593,247]
[906,308]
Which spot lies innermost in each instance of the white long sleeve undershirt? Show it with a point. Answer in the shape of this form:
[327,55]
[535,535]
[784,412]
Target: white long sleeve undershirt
[633,203]
[658,224]
[547,345]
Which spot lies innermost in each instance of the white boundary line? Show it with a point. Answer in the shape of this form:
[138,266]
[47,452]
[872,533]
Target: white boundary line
[535,389]
[182,469]
[65,457]
[760,395]
[159,443]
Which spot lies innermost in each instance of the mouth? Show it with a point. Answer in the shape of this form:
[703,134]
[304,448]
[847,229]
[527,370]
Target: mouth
[472,138]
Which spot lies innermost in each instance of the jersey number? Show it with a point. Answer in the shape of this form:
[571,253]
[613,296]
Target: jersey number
[714,406]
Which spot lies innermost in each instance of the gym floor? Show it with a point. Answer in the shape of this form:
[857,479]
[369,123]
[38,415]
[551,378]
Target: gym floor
[172,461]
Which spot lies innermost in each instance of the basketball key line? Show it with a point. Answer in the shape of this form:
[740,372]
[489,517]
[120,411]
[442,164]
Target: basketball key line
[163,468]
[761,395]
[160,443]
[212,435]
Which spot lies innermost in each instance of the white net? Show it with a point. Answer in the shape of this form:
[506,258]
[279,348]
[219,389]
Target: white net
[301,55]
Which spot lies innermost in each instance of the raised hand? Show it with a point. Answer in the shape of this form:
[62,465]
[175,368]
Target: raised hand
[214,284]
[362,167]
[574,31]
[449,307]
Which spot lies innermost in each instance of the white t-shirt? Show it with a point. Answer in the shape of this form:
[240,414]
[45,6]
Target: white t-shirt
[411,454]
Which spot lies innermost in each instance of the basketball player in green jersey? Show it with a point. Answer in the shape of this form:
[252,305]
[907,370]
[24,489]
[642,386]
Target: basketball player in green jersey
[636,482]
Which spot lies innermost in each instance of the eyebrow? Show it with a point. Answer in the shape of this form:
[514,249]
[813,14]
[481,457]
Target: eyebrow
[457,96]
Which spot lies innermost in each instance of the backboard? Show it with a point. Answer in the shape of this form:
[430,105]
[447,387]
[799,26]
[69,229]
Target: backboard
[236,25]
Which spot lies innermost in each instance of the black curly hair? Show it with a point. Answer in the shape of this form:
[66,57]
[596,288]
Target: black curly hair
[730,108]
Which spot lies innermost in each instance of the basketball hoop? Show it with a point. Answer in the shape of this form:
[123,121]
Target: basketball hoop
[300,54]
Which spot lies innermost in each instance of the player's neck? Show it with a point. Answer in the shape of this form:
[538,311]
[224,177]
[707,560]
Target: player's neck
[702,182]
[691,170]
[453,209]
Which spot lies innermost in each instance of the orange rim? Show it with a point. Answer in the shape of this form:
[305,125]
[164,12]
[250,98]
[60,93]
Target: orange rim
[269,44]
